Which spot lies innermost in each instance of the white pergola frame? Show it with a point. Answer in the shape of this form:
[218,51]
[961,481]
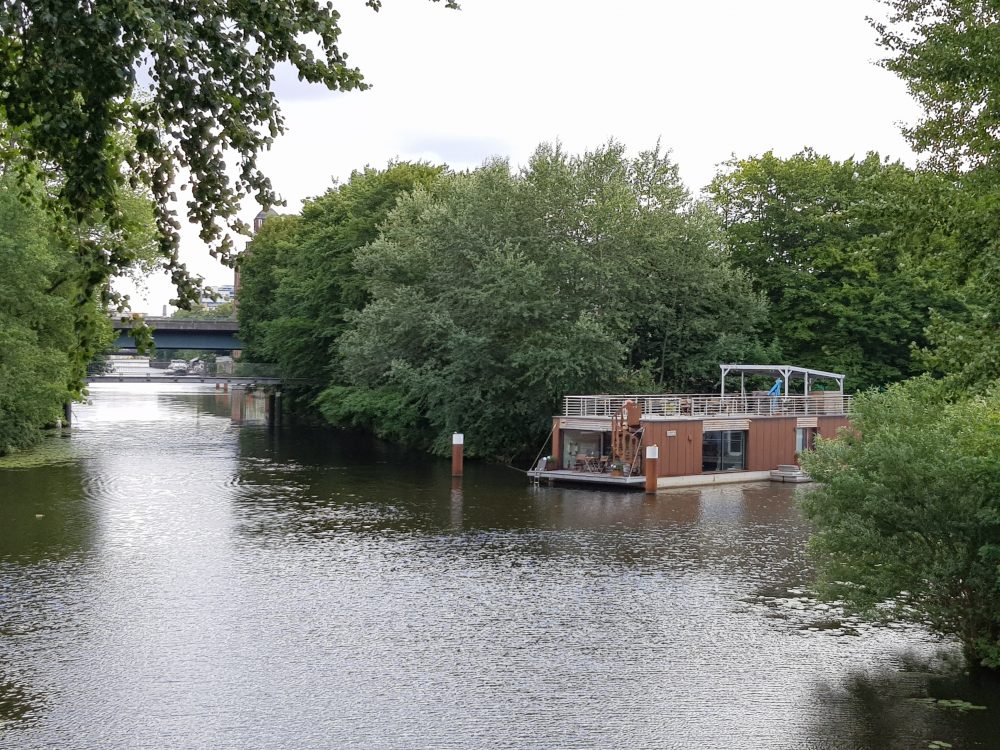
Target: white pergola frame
[787,372]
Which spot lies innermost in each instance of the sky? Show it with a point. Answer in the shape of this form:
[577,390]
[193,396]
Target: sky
[710,80]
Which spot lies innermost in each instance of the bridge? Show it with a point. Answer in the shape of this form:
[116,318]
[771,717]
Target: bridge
[171,333]
[253,389]
[134,369]
[233,380]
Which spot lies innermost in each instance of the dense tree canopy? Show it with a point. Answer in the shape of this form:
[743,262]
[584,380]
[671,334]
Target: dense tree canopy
[48,329]
[261,267]
[494,293]
[223,311]
[964,349]
[298,277]
[947,52]
[847,254]
[908,513]
[113,93]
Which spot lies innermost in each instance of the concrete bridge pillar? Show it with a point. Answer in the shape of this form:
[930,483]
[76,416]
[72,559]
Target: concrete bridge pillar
[272,407]
[236,405]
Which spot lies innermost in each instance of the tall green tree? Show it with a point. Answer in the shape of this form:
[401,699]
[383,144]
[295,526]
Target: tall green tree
[261,269]
[184,84]
[947,52]
[846,253]
[495,293]
[298,280]
[907,514]
[49,327]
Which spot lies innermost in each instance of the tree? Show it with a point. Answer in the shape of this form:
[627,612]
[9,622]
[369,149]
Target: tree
[70,77]
[847,254]
[494,293]
[298,276]
[907,514]
[947,52]
[223,311]
[49,328]
[260,269]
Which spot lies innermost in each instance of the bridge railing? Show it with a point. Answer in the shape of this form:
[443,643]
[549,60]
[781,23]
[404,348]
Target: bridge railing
[113,366]
[243,369]
[701,405]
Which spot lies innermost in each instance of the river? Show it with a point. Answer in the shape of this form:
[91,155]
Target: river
[170,580]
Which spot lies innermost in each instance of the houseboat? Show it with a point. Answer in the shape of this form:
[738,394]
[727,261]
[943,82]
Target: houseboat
[735,435]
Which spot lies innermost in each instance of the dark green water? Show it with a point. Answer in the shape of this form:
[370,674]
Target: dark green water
[169,580]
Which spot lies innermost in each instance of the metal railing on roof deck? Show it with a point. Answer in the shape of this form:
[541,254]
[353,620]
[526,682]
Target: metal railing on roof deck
[691,405]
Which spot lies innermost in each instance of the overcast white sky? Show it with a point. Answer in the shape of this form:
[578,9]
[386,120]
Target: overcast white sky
[710,78]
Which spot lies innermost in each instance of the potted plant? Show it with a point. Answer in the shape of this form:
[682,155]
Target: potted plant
[617,468]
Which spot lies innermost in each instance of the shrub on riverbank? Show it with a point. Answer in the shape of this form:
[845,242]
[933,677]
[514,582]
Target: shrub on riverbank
[910,514]
[49,327]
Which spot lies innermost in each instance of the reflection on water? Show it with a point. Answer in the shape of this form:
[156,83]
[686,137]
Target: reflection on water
[16,705]
[194,584]
[44,512]
[887,707]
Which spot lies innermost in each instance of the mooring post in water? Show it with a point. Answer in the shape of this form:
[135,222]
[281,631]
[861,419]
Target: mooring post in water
[68,414]
[457,453]
[651,468]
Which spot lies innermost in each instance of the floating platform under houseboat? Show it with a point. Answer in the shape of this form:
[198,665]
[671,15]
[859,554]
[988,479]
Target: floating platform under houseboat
[733,436]
[584,477]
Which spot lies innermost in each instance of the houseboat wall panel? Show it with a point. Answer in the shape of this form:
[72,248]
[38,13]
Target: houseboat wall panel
[771,442]
[680,452]
[828,426]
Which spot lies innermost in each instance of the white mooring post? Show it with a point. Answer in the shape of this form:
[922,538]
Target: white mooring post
[457,453]
[651,468]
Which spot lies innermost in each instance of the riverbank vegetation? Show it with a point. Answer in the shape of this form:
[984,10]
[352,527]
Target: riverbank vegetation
[102,105]
[475,301]
[416,300]
[907,512]
[52,321]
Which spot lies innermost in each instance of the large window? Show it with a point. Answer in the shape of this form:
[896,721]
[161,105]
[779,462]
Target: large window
[577,444]
[805,439]
[724,450]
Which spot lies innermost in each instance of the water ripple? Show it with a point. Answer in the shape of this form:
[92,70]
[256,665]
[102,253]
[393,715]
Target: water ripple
[181,583]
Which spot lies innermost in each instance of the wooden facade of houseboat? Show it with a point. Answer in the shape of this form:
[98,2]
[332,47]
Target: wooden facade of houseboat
[702,439]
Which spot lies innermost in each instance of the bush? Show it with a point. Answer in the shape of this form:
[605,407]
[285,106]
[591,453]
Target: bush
[907,518]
